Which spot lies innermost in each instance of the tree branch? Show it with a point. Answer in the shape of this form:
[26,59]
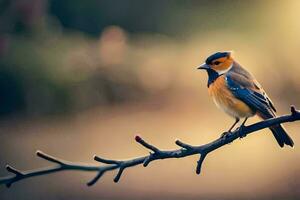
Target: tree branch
[155,154]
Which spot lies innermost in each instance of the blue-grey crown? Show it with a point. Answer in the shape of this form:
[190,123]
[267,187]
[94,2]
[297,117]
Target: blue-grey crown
[216,56]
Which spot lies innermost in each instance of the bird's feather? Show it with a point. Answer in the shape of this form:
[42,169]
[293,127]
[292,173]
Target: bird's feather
[247,89]
[250,97]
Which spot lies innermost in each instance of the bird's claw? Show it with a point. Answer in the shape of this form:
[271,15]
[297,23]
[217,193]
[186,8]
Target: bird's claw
[241,131]
[225,134]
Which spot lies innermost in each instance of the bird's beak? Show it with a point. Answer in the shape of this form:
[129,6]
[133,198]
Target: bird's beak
[203,66]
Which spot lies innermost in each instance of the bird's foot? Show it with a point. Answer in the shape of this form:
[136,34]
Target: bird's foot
[225,134]
[241,132]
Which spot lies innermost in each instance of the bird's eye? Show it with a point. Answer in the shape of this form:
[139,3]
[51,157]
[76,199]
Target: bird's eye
[217,62]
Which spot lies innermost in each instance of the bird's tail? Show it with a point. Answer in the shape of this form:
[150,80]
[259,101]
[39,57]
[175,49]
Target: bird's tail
[278,131]
[281,136]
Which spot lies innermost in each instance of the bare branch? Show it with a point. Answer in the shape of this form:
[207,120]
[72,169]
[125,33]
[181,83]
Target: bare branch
[49,158]
[199,163]
[106,161]
[145,144]
[119,174]
[96,178]
[155,154]
[183,145]
[14,170]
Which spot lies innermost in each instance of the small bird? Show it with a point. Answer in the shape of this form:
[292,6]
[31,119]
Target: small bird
[236,91]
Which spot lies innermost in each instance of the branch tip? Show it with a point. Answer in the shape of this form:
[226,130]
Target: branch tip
[293,110]
[13,170]
[183,145]
[138,138]
[49,158]
[106,161]
[96,178]
[147,145]
[119,174]
[95,157]
[199,163]
[38,152]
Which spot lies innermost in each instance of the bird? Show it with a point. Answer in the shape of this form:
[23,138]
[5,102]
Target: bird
[236,91]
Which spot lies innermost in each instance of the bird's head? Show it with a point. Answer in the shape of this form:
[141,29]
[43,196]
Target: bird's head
[219,62]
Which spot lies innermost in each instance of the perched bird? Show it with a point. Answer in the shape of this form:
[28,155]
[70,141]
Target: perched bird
[236,91]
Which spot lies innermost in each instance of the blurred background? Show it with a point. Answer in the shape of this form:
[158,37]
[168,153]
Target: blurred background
[79,78]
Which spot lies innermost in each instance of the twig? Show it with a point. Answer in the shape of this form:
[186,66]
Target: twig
[155,154]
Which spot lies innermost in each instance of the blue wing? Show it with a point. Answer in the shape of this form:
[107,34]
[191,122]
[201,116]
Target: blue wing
[244,90]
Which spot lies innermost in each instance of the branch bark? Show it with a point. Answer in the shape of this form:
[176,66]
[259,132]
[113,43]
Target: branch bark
[155,154]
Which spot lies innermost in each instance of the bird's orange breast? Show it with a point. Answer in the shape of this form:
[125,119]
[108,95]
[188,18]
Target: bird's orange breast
[225,100]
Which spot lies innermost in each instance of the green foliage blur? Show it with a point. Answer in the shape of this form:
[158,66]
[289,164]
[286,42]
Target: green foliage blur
[63,56]
[37,36]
